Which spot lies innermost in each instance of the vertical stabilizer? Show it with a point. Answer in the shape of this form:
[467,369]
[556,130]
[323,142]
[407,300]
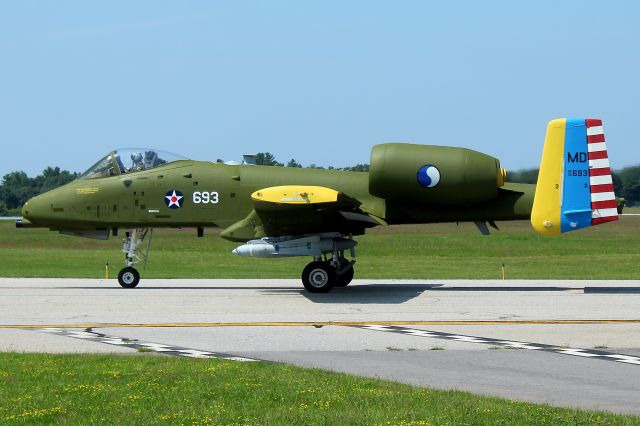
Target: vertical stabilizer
[575,188]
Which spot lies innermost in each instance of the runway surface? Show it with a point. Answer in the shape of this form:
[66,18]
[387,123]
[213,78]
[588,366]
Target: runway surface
[566,343]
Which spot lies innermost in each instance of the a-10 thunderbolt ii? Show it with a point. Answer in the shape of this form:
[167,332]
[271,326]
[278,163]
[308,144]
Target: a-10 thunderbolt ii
[282,211]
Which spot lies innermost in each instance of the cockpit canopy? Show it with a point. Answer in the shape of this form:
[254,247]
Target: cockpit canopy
[129,160]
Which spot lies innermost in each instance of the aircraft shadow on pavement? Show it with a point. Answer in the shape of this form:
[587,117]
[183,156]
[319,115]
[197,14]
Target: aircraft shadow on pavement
[370,294]
[398,293]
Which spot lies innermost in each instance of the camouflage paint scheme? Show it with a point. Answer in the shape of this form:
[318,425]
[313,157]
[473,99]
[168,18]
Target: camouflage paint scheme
[281,211]
[471,188]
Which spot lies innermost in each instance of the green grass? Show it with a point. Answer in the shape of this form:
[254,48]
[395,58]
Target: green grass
[436,251]
[145,389]
[148,389]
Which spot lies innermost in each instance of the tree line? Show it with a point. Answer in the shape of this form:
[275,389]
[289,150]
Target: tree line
[268,159]
[626,182]
[16,187]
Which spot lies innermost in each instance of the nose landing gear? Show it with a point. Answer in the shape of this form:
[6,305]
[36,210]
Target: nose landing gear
[129,277]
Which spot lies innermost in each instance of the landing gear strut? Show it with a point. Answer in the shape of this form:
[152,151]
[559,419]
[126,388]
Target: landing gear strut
[320,276]
[330,268]
[129,277]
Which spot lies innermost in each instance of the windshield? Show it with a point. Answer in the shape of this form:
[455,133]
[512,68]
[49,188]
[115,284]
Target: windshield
[129,160]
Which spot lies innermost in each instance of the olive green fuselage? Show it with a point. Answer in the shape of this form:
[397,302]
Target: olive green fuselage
[219,195]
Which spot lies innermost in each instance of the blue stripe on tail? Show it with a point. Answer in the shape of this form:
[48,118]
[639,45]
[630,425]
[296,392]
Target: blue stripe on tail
[576,193]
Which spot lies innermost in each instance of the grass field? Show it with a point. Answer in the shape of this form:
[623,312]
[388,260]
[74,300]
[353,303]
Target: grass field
[436,251]
[151,389]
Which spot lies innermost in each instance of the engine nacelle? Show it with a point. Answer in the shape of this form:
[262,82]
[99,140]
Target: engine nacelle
[433,174]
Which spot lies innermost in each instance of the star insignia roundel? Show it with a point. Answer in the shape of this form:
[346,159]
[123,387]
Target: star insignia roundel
[174,199]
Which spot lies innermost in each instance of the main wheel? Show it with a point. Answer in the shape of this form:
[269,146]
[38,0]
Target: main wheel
[318,277]
[128,277]
[343,280]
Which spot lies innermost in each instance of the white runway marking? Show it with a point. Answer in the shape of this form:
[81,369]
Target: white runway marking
[586,353]
[89,334]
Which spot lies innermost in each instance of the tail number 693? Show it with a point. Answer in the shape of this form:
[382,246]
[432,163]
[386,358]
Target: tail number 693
[205,197]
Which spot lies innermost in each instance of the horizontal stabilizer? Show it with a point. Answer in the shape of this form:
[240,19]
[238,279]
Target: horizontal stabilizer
[575,188]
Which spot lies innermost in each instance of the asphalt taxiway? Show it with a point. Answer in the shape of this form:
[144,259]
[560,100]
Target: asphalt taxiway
[567,343]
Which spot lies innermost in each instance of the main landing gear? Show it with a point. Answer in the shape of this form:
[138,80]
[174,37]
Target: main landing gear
[320,276]
[129,277]
[330,268]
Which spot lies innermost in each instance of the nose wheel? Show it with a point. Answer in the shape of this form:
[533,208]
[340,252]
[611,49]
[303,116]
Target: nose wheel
[128,277]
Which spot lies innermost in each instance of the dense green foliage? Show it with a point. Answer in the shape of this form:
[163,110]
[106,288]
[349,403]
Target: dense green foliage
[152,389]
[268,159]
[628,184]
[523,176]
[16,187]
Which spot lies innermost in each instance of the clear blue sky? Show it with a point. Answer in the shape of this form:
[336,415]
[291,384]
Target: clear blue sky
[320,82]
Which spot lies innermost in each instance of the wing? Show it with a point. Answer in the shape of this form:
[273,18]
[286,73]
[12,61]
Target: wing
[300,210]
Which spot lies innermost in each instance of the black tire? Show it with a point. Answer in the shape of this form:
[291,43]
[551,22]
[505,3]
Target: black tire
[343,280]
[128,277]
[318,277]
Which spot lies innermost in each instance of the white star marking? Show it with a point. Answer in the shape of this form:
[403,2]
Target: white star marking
[174,200]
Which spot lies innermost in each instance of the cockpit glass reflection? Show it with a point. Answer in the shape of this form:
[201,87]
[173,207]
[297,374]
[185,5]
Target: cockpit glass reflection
[129,160]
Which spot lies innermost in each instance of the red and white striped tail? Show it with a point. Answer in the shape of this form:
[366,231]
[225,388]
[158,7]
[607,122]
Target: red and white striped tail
[603,199]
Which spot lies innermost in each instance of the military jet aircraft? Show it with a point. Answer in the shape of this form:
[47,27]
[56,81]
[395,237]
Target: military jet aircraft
[282,211]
